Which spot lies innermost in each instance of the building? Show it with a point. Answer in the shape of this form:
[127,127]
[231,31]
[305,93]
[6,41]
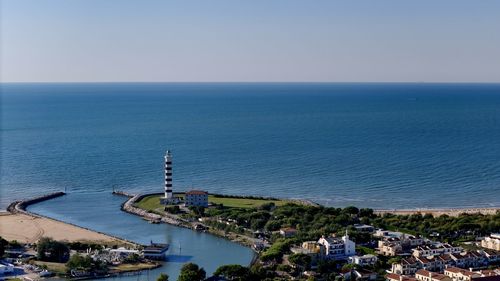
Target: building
[156,251]
[288,232]
[365,260]
[398,277]
[407,266]
[338,248]
[425,275]
[364,228]
[436,249]
[492,255]
[311,248]
[390,247]
[169,194]
[395,243]
[196,198]
[469,259]
[492,242]
[359,274]
[459,274]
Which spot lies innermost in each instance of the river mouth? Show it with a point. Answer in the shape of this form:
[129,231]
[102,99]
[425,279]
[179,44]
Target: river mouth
[101,212]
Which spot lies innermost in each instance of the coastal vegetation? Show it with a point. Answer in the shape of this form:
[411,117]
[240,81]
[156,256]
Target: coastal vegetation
[51,250]
[262,220]
[162,277]
[191,272]
[3,245]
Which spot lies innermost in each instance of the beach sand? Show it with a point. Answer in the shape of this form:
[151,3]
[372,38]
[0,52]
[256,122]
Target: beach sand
[28,229]
[439,212]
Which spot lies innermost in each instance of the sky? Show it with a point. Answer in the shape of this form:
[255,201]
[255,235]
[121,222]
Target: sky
[250,41]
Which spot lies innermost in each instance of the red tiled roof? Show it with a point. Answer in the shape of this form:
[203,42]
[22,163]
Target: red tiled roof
[454,269]
[423,272]
[196,192]
[393,276]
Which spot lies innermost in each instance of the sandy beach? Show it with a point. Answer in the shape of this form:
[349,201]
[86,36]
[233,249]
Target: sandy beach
[438,212]
[28,229]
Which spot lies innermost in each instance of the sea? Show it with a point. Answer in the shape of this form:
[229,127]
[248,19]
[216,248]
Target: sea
[371,145]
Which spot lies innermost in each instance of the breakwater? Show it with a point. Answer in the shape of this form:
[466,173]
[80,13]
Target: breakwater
[128,206]
[20,206]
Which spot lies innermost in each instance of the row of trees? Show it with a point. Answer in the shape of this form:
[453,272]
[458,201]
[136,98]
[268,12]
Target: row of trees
[314,221]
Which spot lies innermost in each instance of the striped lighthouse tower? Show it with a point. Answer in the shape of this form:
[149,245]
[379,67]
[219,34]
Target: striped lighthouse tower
[168,176]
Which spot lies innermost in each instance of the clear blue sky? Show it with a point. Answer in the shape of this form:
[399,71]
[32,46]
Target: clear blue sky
[255,40]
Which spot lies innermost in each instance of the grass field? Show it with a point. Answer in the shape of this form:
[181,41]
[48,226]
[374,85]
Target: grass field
[152,202]
[243,202]
[133,267]
[56,267]
[149,203]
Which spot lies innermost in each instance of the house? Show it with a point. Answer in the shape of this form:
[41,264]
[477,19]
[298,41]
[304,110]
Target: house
[492,242]
[425,275]
[311,248]
[365,260]
[407,266]
[338,248]
[390,247]
[469,259]
[395,243]
[459,274]
[398,277]
[359,274]
[196,198]
[364,228]
[156,251]
[491,255]
[436,249]
[288,232]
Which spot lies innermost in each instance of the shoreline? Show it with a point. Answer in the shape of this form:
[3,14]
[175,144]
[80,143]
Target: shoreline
[454,212]
[128,207]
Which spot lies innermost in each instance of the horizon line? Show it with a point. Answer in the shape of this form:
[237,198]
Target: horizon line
[248,82]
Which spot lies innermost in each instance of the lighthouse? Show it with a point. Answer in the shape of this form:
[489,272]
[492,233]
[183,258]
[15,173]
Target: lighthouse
[168,176]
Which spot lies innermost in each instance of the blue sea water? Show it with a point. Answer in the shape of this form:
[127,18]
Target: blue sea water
[369,145]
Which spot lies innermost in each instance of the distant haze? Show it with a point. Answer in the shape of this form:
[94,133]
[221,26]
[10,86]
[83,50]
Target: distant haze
[258,40]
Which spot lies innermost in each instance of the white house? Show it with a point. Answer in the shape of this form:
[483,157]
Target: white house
[338,248]
[492,242]
[196,198]
[365,260]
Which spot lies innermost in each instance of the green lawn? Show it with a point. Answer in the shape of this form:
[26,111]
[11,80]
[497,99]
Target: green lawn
[152,202]
[149,203]
[56,267]
[243,202]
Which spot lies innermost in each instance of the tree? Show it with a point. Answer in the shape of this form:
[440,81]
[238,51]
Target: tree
[79,262]
[51,250]
[3,244]
[234,272]
[86,263]
[162,277]
[191,272]
[300,260]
